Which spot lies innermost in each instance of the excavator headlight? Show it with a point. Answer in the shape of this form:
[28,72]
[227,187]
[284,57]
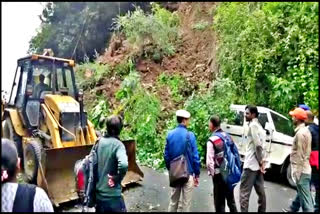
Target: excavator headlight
[71,63]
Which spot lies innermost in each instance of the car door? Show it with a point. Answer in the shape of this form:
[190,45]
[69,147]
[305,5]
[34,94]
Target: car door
[282,138]
[235,129]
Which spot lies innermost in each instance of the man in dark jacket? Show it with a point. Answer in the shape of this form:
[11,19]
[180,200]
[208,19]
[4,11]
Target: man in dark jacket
[112,167]
[175,146]
[314,156]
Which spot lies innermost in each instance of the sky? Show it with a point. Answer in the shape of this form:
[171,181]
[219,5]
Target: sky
[19,21]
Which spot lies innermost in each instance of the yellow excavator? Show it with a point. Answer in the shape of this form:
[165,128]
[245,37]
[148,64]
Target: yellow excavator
[45,118]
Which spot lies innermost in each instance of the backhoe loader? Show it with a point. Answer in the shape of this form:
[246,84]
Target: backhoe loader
[45,118]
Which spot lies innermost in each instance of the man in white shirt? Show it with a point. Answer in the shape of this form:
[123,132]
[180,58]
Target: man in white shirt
[254,165]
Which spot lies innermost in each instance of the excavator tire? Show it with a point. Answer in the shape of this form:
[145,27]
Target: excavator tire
[32,158]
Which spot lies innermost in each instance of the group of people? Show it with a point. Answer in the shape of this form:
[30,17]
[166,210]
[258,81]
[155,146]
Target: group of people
[113,165]
[303,159]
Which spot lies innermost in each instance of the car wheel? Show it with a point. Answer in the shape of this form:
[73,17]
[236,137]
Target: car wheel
[289,176]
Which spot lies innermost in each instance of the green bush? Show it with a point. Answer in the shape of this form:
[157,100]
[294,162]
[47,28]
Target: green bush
[202,106]
[123,69]
[128,86]
[271,51]
[175,83]
[98,114]
[141,111]
[158,29]
[202,25]
[99,71]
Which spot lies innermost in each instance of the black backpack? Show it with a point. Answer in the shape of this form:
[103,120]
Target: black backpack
[86,175]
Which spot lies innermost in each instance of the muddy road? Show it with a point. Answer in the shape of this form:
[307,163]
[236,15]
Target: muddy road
[153,194]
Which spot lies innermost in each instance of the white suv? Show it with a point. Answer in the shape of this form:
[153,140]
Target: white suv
[279,132]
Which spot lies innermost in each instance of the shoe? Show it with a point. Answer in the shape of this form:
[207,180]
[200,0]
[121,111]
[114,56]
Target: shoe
[287,210]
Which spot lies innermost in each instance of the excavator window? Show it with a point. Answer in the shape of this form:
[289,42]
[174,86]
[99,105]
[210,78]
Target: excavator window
[65,83]
[41,79]
[14,89]
[20,99]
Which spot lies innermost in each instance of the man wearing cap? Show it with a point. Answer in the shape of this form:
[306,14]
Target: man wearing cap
[300,166]
[175,146]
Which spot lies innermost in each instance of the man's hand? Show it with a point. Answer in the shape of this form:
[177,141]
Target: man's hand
[293,176]
[110,181]
[196,181]
[262,167]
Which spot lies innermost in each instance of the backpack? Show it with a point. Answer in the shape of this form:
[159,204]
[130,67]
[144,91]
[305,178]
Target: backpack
[86,176]
[230,167]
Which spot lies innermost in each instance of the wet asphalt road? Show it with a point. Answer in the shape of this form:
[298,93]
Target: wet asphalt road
[153,194]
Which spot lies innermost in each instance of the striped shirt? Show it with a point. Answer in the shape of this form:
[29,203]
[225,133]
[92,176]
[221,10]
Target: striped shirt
[215,153]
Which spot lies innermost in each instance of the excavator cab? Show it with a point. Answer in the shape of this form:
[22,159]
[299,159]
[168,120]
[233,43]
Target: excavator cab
[45,118]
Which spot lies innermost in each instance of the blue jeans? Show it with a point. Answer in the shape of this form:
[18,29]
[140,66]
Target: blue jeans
[114,204]
[303,198]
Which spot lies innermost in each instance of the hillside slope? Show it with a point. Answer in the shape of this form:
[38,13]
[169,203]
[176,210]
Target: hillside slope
[194,61]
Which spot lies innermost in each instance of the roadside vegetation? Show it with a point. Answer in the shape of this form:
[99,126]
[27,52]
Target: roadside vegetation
[271,51]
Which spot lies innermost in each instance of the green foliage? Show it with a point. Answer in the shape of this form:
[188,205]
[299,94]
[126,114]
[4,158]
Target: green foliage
[158,29]
[271,50]
[128,86]
[124,68]
[99,113]
[175,83]
[202,25]
[77,29]
[95,71]
[141,111]
[202,106]
[164,16]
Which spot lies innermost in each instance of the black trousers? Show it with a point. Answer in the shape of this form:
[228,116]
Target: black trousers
[249,179]
[221,192]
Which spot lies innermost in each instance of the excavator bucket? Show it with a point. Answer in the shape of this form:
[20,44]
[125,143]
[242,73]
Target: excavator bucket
[58,169]
[58,165]
[134,173]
